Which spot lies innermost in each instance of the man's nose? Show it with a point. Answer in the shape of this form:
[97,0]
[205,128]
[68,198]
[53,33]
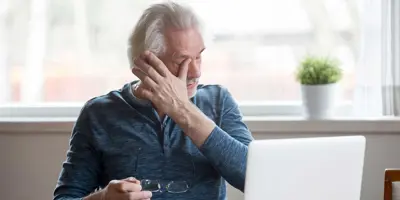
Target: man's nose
[194,70]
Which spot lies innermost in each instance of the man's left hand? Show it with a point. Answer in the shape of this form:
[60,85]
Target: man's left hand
[166,91]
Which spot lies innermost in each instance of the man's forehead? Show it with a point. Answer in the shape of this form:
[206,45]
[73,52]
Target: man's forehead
[183,42]
[187,54]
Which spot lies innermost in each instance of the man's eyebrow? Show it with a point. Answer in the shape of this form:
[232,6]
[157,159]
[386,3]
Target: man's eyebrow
[186,56]
[202,50]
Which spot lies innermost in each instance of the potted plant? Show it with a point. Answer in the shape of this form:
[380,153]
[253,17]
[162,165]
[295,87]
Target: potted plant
[319,77]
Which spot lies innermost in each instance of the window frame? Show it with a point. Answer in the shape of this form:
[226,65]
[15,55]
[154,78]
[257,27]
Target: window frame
[248,109]
[256,109]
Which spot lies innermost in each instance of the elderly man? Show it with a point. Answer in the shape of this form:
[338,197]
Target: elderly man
[165,136]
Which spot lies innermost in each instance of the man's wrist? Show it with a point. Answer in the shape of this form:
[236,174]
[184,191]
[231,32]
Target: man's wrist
[194,123]
[183,114]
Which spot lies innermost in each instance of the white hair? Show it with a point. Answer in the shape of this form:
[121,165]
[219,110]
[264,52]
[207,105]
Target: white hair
[148,34]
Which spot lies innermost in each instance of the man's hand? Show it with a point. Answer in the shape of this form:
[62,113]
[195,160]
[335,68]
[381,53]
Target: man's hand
[126,189]
[169,95]
[167,92]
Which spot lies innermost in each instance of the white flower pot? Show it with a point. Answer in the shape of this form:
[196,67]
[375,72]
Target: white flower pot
[319,101]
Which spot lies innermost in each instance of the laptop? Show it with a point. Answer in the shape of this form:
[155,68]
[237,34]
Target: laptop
[323,168]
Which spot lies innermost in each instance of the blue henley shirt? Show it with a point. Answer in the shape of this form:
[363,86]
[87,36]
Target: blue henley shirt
[118,136]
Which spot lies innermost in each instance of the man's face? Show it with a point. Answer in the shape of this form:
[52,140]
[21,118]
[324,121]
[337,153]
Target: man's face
[182,45]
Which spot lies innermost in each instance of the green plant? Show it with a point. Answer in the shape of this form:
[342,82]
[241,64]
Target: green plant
[315,70]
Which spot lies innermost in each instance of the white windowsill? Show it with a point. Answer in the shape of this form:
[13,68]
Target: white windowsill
[72,110]
[260,117]
[255,124]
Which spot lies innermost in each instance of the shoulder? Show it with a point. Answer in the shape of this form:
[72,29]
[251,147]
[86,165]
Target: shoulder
[106,103]
[212,91]
[215,98]
[100,102]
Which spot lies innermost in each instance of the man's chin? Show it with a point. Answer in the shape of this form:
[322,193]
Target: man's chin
[192,90]
[192,93]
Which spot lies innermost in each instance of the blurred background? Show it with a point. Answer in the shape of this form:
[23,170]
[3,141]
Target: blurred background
[68,51]
[57,54]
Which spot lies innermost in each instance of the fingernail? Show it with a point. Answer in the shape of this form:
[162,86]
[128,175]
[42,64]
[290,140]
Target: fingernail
[147,194]
[131,179]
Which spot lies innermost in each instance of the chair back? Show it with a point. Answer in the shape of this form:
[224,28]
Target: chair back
[392,184]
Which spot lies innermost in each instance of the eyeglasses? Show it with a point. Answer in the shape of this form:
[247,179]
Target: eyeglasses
[161,186]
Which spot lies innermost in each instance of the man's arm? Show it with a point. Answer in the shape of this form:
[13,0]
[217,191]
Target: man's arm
[79,174]
[225,145]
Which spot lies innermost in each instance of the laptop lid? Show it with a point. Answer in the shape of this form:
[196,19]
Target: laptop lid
[328,168]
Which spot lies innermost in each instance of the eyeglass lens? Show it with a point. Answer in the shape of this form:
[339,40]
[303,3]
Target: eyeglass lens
[150,185]
[177,187]
[172,186]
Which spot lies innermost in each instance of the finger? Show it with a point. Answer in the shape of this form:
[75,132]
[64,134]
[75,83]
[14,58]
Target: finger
[144,78]
[116,185]
[126,186]
[129,179]
[145,92]
[140,195]
[157,64]
[147,69]
[121,196]
[183,70]
[132,180]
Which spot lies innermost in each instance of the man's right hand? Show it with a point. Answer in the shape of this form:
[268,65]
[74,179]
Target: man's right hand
[126,189]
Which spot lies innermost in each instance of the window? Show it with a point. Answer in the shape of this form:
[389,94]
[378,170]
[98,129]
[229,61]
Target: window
[68,51]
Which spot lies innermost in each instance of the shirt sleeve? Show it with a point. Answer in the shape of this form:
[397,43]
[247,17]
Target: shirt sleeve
[80,171]
[227,145]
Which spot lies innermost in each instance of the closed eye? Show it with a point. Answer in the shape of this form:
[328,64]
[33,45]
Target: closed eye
[182,58]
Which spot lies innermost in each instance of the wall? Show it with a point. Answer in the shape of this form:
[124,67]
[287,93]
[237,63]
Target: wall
[30,162]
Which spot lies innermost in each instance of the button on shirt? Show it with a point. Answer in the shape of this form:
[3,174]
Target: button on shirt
[118,135]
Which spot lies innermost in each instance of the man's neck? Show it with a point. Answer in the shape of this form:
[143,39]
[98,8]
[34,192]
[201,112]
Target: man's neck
[161,116]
